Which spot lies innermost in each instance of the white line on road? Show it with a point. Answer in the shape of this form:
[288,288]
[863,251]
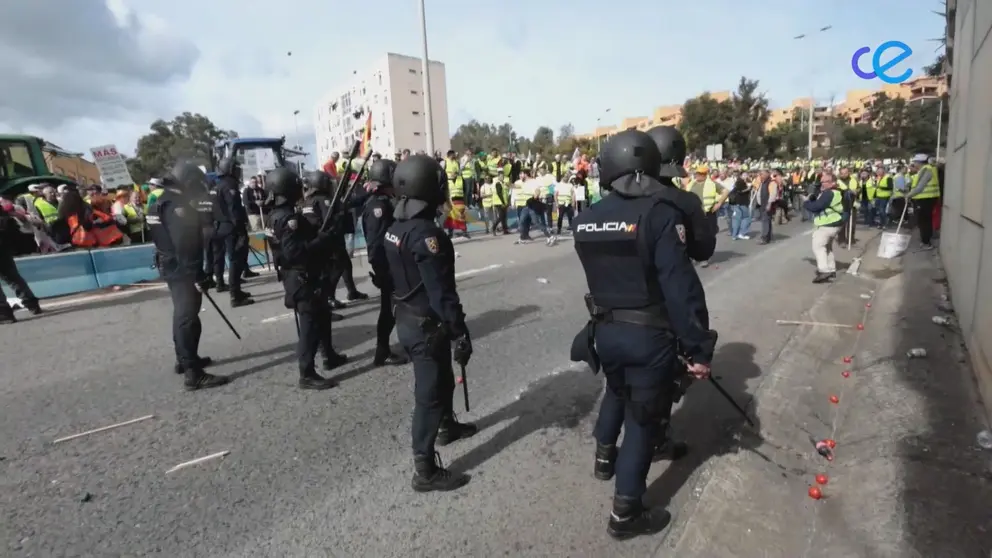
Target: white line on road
[459,275]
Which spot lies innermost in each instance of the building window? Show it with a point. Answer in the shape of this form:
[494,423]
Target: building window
[413,92]
[416,113]
[416,133]
[412,71]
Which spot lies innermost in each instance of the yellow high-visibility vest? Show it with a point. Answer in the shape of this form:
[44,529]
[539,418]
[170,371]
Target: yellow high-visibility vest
[932,189]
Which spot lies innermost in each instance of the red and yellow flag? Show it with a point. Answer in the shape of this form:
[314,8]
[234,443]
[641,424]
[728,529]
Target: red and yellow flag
[367,137]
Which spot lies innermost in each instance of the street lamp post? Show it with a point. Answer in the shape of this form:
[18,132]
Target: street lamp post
[299,140]
[812,97]
[599,140]
[428,118]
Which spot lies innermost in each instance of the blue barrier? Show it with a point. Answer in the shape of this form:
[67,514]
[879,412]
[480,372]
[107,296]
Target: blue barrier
[80,271]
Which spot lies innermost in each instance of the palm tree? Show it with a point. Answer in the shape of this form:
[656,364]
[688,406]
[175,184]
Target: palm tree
[941,65]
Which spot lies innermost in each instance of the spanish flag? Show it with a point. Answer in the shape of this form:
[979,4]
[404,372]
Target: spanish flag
[367,138]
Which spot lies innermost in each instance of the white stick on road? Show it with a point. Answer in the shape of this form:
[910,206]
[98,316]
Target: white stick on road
[102,429]
[198,460]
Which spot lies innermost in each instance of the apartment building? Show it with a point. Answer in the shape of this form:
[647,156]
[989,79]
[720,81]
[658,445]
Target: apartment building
[392,91]
[854,107]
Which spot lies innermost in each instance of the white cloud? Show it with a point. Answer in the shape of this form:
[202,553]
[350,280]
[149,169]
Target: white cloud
[103,70]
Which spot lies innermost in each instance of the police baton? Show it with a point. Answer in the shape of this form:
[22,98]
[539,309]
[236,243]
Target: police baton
[207,296]
[722,391]
[464,382]
[342,180]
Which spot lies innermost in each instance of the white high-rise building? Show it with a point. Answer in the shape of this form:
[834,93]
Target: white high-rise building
[392,90]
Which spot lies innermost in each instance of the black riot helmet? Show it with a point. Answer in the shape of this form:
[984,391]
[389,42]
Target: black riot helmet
[382,171]
[671,144]
[419,177]
[187,177]
[228,166]
[630,152]
[284,183]
[317,180]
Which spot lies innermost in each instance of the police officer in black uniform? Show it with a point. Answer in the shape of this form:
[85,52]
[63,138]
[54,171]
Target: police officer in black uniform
[700,233]
[176,228]
[9,231]
[377,217]
[305,250]
[231,232]
[646,304]
[430,322]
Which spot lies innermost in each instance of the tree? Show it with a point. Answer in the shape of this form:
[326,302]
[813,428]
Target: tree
[187,136]
[749,114]
[478,136]
[939,66]
[544,140]
[705,121]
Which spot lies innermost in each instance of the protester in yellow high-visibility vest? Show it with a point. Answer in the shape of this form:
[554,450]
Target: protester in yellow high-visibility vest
[883,186]
[849,187]
[563,199]
[469,177]
[486,193]
[711,193]
[924,191]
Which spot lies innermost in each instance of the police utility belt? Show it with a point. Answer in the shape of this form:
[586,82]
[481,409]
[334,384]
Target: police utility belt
[649,316]
[584,344]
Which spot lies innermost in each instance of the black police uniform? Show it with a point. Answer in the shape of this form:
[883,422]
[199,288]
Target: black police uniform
[176,229]
[342,267]
[231,234]
[304,253]
[377,217]
[9,273]
[700,238]
[429,316]
[644,295]
[205,207]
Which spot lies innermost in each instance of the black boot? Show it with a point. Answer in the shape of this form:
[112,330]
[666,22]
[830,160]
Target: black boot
[430,475]
[821,278]
[7,316]
[222,286]
[249,274]
[241,298]
[630,519]
[334,360]
[336,304]
[606,461]
[315,381]
[203,362]
[208,283]
[357,295]
[196,379]
[451,431]
[385,357]
[667,449]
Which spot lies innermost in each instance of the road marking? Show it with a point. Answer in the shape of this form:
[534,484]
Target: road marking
[73,300]
[459,275]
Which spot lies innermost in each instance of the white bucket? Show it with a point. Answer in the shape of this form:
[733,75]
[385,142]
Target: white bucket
[893,245]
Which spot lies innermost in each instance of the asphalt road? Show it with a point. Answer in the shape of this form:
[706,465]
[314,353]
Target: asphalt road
[327,473]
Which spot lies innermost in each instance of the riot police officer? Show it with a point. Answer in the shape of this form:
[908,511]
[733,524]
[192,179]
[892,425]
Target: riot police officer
[430,322]
[377,216]
[316,205]
[644,294]
[305,250]
[700,232]
[176,228]
[230,232]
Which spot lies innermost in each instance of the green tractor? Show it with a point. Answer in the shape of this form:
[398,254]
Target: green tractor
[22,163]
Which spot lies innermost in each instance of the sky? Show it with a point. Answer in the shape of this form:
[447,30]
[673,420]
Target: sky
[85,73]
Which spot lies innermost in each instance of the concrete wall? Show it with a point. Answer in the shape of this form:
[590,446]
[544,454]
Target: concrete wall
[966,234]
